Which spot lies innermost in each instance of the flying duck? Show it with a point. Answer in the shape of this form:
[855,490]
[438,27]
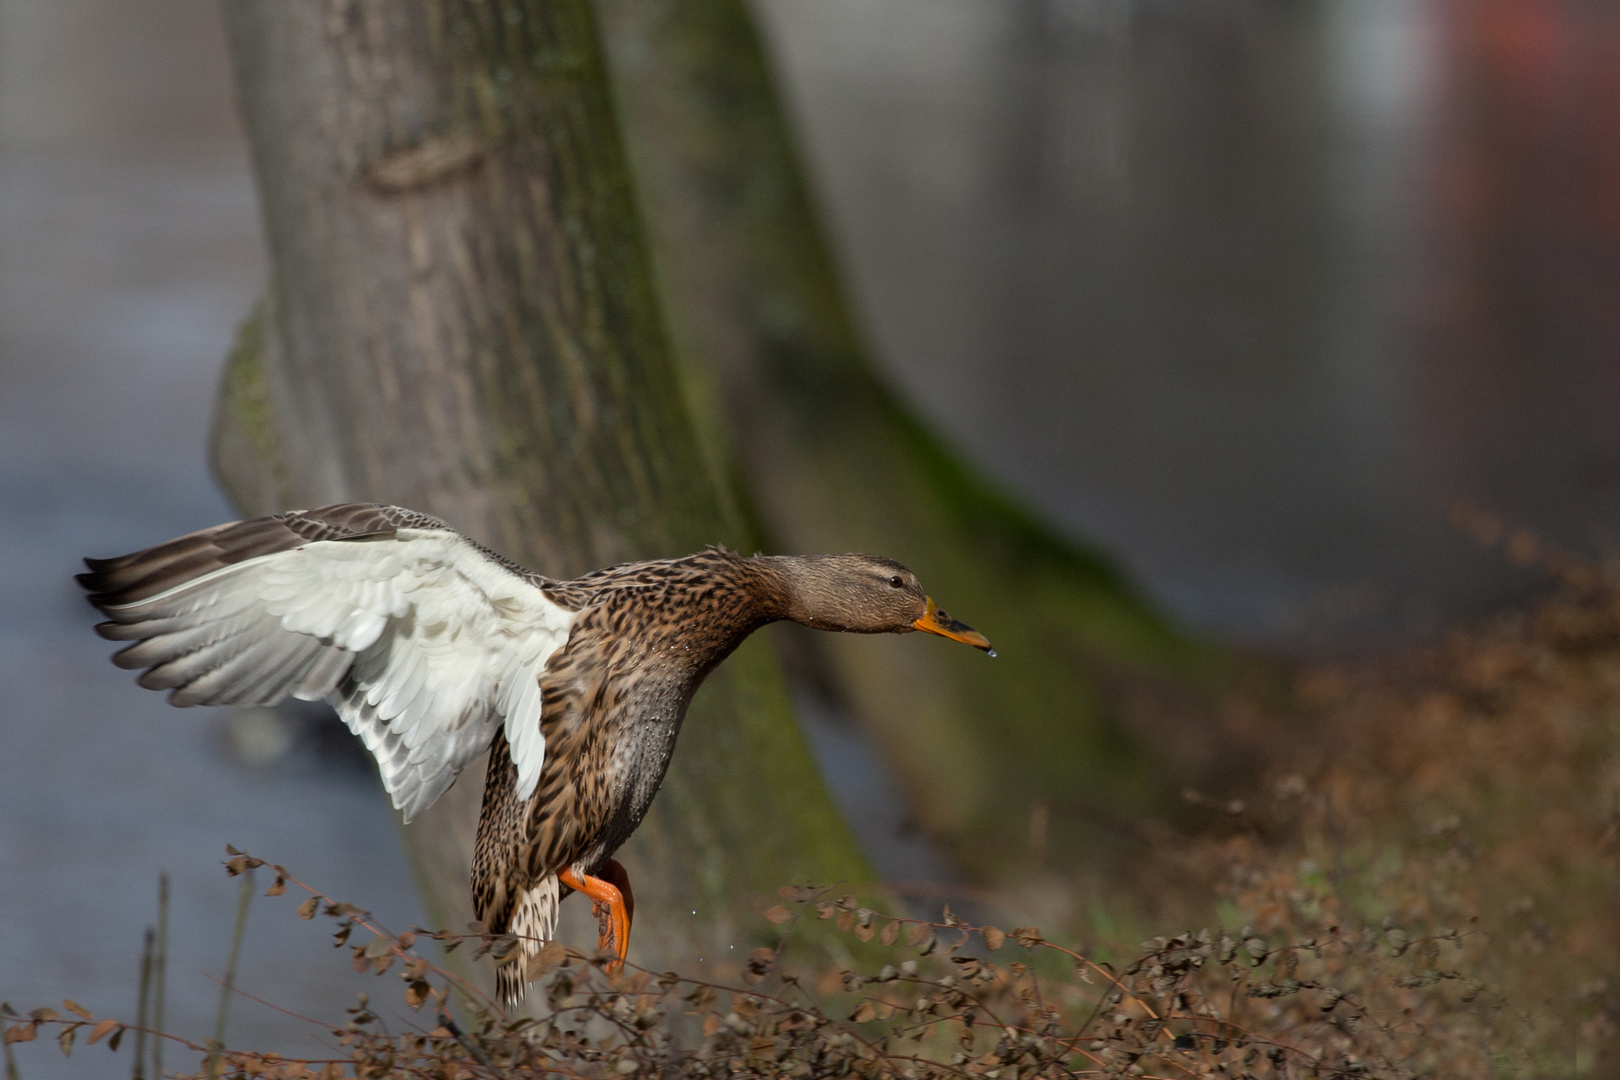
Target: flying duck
[432,649]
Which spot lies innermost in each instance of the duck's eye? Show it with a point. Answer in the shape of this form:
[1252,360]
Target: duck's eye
[897,581]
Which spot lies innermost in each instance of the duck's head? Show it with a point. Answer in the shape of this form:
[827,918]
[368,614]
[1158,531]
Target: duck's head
[863,594]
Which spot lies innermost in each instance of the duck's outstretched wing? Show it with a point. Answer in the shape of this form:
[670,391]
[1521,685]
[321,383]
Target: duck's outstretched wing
[423,641]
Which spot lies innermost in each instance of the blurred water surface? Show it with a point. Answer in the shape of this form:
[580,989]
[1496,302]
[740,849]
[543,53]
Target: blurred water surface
[128,251]
[1247,292]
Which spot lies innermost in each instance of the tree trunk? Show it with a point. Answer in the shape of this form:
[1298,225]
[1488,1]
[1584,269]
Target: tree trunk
[1096,709]
[461,319]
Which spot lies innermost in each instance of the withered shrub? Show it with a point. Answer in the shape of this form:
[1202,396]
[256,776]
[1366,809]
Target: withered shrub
[1473,787]
[1423,885]
[1302,993]
[1338,1003]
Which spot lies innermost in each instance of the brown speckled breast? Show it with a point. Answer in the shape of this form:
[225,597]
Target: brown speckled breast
[614,698]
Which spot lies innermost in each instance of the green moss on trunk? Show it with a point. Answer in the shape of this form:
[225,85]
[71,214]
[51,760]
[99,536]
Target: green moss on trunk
[1096,710]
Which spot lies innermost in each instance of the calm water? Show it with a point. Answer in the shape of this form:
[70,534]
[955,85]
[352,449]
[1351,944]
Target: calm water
[128,250]
[1247,292]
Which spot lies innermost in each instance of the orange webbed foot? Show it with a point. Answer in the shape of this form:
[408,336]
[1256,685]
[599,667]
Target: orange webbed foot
[612,903]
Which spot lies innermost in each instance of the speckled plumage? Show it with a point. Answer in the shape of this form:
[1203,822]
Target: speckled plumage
[432,648]
[614,699]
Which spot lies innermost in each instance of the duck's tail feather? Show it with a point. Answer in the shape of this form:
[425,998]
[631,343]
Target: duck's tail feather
[534,921]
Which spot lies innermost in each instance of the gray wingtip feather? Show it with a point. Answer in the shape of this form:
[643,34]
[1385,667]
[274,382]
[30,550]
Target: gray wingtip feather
[324,677]
[418,792]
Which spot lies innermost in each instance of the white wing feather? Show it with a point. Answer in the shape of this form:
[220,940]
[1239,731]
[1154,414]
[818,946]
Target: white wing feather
[422,643]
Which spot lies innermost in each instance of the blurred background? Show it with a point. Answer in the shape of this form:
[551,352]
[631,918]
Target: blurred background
[1246,293]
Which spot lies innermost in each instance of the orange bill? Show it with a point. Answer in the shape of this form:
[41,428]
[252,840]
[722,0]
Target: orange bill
[937,622]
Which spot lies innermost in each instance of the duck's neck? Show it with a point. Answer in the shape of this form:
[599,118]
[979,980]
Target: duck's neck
[724,597]
[759,590]
[716,599]
[777,585]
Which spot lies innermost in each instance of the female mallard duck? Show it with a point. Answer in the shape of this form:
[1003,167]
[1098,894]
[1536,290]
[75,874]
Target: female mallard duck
[434,649]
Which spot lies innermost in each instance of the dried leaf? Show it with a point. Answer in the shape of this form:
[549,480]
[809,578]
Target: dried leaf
[45,1015]
[993,938]
[825,910]
[778,914]
[101,1031]
[65,1039]
[306,910]
[417,992]
[864,1012]
[21,1033]
[797,893]
[277,887]
[117,1037]
[74,1007]
[1027,936]
[760,963]
[548,959]
[865,931]
[379,946]
[846,921]
[918,933]
[890,934]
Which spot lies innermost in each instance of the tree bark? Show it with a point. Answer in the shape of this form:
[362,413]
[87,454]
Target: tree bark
[1097,709]
[461,319]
